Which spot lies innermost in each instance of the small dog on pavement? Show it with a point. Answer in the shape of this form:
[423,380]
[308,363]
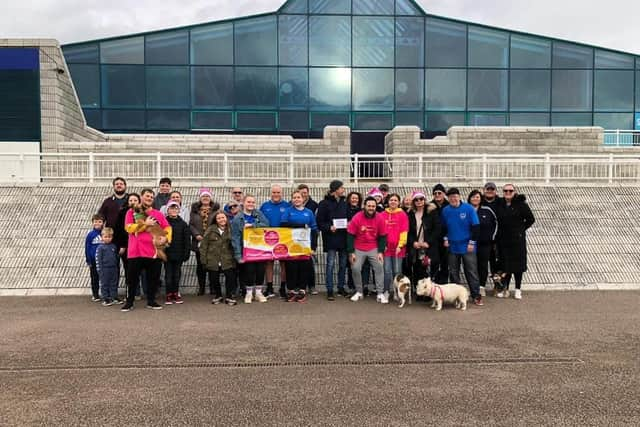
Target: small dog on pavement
[449,293]
[401,287]
[498,285]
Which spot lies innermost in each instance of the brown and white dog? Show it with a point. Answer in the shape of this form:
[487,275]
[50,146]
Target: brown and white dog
[401,287]
[449,293]
[498,285]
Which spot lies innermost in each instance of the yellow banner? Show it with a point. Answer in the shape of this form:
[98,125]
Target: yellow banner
[276,243]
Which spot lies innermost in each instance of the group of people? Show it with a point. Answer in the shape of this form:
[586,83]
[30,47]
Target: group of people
[366,239]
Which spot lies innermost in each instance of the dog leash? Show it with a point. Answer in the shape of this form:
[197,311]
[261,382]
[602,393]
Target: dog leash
[433,292]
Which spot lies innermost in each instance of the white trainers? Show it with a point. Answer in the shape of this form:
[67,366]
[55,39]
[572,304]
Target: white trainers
[357,297]
[378,297]
[259,296]
[385,298]
[517,294]
[500,294]
[483,291]
[249,296]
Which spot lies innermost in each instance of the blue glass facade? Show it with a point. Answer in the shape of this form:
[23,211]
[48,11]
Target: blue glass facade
[369,64]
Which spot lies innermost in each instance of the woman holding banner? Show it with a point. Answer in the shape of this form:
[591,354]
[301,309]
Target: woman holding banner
[251,273]
[297,216]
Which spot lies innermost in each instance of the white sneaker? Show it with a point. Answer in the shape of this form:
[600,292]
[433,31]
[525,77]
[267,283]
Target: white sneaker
[500,294]
[259,295]
[517,294]
[379,297]
[249,296]
[385,298]
[483,291]
[357,297]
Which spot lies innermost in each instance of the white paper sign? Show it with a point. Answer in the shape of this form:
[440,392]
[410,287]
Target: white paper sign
[340,223]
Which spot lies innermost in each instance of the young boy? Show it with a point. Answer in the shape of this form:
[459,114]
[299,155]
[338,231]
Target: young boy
[177,252]
[91,244]
[108,266]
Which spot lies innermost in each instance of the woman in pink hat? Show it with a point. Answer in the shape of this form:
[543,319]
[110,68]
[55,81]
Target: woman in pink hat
[396,223]
[205,198]
[377,194]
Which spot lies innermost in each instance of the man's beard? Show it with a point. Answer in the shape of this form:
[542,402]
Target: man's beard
[366,213]
[120,192]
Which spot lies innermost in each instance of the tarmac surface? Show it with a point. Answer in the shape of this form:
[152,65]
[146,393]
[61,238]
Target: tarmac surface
[554,358]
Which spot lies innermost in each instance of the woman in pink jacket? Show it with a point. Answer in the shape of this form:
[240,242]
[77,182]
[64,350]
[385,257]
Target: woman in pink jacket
[397,225]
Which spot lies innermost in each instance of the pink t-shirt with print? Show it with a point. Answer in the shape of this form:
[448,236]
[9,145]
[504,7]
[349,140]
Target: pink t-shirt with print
[141,245]
[366,231]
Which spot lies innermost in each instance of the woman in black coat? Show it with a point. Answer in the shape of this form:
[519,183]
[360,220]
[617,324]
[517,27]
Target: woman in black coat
[423,238]
[515,218]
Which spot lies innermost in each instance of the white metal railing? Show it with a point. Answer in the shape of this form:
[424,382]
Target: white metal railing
[622,138]
[267,168]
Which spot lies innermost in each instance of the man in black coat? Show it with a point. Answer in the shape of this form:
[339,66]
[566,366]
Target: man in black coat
[111,206]
[440,268]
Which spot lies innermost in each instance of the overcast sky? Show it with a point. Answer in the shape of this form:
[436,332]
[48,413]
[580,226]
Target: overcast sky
[603,23]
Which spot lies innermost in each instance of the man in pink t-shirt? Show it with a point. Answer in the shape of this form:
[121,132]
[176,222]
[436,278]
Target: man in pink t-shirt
[141,252]
[367,240]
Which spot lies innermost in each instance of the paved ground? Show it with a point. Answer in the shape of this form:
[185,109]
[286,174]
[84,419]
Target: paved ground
[555,358]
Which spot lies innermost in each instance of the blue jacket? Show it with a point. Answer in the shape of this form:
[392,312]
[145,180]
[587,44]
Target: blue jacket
[107,257]
[274,211]
[296,218]
[237,229]
[461,226]
[91,243]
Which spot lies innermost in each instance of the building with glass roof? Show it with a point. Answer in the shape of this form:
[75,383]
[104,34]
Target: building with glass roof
[368,64]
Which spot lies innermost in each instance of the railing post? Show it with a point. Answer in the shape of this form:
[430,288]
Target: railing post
[21,177]
[92,170]
[291,169]
[610,168]
[158,166]
[484,169]
[547,168]
[356,168]
[420,166]
[226,168]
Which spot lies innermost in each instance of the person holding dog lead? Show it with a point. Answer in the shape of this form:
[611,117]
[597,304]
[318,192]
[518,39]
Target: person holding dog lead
[487,239]
[397,226]
[461,233]
[439,266]
[423,238]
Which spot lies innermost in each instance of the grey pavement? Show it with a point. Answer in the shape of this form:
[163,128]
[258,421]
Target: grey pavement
[554,358]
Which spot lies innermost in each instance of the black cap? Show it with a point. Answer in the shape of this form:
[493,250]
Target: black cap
[438,187]
[453,190]
[335,184]
[490,185]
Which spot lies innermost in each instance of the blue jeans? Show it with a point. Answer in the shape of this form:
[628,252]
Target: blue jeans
[392,266]
[470,262]
[341,257]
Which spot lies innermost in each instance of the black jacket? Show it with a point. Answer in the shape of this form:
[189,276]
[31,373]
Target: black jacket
[312,205]
[352,211]
[432,231]
[160,200]
[120,235]
[488,225]
[111,208]
[514,220]
[180,246]
[329,209]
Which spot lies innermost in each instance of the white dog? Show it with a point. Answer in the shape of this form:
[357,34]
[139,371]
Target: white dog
[449,293]
[401,287]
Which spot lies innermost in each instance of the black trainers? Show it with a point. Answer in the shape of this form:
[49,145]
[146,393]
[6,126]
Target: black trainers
[342,292]
[216,300]
[283,293]
[268,293]
[154,306]
[230,301]
[330,296]
[127,307]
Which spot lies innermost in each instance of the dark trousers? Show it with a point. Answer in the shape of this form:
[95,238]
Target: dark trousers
[298,274]
[507,280]
[201,272]
[311,275]
[440,268]
[172,275]
[252,274]
[152,268]
[95,279]
[109,283]
[230,281]
[484,255]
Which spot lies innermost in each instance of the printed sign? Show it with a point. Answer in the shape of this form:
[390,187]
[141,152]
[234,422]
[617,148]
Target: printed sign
[276,243]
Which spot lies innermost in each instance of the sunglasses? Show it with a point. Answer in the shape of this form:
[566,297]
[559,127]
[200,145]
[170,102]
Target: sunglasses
[438,192]
[237,192]
[508,191]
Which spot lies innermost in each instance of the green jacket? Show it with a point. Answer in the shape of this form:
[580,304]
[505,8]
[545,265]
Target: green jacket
[215,249]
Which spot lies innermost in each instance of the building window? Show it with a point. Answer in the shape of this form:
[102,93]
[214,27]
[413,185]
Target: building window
[167,120]
[530,52]
[123,86]
[373,7]
[84,54]
[613,90]
[293,88]
[613,120]
[256,87]
[123,51]
[373,42]
[372,89]
[409,42]
[487,90]
[330,6]
[488,48]
[212,87]
[529,119]
[446,89]
[446,44]
[256,41]
[566,55]
[123,119]
[571,90]
[330,88]
[441,122]
[409,89]
[212,45]
[606,59]
[293,120]
[330,40]
[530,90]
[167,87]
[86,79]
[167,48]
[212,120]
[293,39]
[571,119]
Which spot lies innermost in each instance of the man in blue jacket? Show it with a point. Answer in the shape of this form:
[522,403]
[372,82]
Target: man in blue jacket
[461,231]
[273,210]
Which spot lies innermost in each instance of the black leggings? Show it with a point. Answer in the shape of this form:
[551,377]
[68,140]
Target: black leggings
[483,254]
[507,280]
[230,282]
[252,274]
[298,274]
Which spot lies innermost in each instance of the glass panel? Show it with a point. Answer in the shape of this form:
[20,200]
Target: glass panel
[373,7]
[409,89]
[293,120]
[293,90]
[637,90]
[372,89]
[488,48]
[87,54]
[293,40]
[606,59]
[123,86]
[567,55]
[256,41]
[330,88]
[405,7]
[443,121]
[256,87]
[529,52]
[124,51]
[446,89]
[167,48]
[613,120]
[295,6]
[167,120]
[123,119]
[571,90]
[86,80]
[212,45]
[487,90]
[529,119]
[212,87]
[167,87]
[373,42]
[256,121]
[320,120]
[446,44]
[409,42]
[93,118]
[212,120]
[613,90]
[571,119]
[330,40]
[410,118]
[487,119]
[330,6]
[363,121]
[530,90]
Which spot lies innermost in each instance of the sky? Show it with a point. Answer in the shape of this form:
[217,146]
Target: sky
[608,24]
